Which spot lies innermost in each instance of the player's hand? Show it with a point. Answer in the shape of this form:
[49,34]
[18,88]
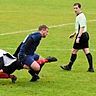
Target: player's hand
[1,70]
[26,67]
[72,35]
[77,40]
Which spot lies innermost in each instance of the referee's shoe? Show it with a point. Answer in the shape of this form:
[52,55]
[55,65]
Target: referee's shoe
[65,67]
[90,70]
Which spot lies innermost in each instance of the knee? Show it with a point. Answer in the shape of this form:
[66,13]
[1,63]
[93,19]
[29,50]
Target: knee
[35,66]
[86,50]
[74,51]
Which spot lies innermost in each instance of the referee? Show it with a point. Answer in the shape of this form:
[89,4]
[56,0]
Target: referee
[81,40]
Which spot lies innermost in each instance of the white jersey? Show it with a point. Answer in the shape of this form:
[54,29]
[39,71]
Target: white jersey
[80,22]
[7,57]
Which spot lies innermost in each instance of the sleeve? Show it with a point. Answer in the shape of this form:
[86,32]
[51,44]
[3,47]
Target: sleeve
[36,37]
[82,21]
[17,50]
[28,43]
[25,47]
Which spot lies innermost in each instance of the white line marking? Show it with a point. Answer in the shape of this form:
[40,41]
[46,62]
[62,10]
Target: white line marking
[53,26]
[9,11]
[24,31]
[9,33]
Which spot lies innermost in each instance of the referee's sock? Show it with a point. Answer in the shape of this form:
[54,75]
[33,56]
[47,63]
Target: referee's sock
[90,61]
[72,60]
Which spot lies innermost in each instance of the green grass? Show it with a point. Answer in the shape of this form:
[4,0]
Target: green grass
[24,15]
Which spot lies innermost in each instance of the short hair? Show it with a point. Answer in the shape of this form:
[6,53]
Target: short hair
[42,27]
[79,5]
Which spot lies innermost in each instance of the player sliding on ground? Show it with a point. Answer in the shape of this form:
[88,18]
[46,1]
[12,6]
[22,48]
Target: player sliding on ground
[9,63]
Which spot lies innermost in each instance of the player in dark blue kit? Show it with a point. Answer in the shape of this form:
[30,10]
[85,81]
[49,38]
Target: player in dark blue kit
[27,55]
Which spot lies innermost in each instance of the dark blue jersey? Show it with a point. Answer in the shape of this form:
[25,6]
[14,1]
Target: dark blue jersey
[30,44]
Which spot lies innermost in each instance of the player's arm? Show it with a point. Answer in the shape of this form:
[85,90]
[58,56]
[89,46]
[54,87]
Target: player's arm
[17,50]
[28,43]
[79,35]
[82,23]
[72,35]
[80,32]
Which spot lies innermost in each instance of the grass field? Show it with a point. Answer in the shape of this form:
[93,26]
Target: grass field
[20,17]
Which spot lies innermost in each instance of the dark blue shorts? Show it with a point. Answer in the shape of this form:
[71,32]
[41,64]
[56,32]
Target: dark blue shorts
[29,59]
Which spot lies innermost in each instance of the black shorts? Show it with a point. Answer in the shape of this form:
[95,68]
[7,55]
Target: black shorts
[11,68]
[83,41]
